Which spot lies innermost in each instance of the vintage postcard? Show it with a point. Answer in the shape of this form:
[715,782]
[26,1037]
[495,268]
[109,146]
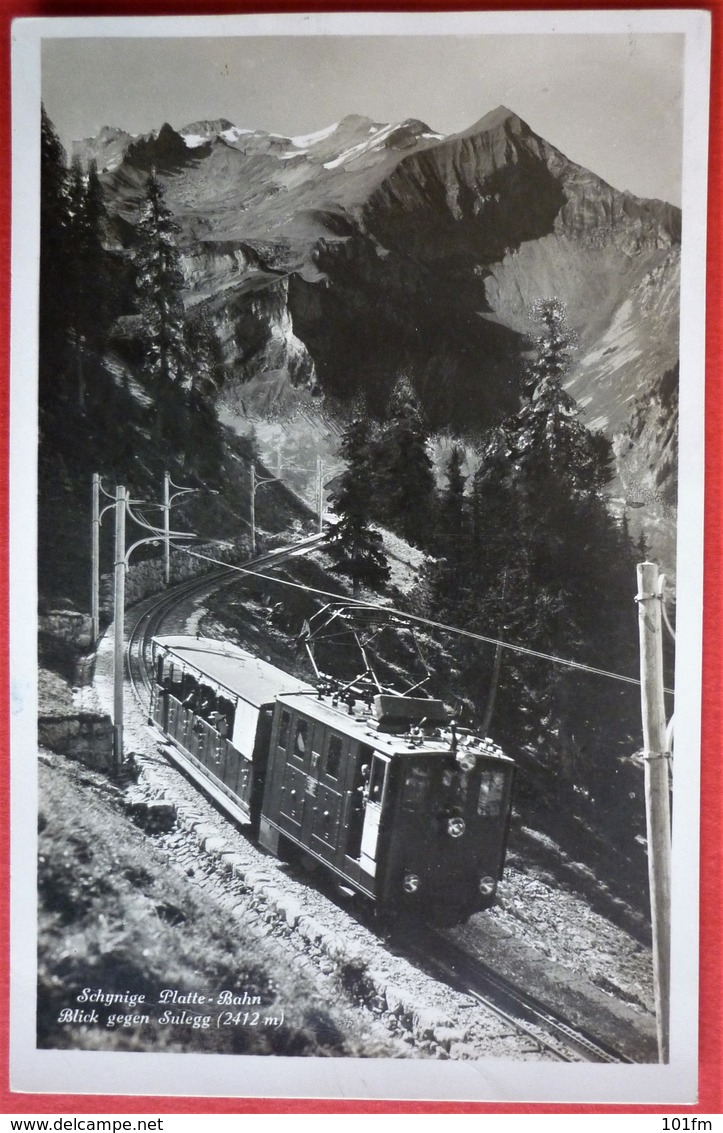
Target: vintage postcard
[357,483]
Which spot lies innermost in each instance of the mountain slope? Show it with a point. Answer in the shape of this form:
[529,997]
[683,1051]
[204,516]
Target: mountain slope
[338,259]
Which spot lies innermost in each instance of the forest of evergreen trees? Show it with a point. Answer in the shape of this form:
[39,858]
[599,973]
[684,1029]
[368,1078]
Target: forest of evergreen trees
[127,377]
[526,552]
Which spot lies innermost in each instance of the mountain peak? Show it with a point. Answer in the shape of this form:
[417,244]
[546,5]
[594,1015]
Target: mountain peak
[502,116]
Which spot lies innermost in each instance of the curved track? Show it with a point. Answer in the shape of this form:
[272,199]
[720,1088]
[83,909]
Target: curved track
[152,612]
[547,1029]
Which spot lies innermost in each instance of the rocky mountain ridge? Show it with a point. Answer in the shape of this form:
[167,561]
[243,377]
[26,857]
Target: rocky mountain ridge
[335,260]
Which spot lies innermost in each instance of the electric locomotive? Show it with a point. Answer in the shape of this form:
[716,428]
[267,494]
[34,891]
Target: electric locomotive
[384,791]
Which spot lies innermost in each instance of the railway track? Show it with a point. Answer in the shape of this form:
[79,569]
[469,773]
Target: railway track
[149,619]
[428,949]
[550,1030]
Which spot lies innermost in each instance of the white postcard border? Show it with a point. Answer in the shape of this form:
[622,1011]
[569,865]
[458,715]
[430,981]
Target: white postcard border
[252,1076]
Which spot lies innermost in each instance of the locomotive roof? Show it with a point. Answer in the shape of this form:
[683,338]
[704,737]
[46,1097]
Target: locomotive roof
[239,672]
[359,725]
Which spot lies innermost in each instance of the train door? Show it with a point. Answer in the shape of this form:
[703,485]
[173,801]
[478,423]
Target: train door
[322,813]
[294,739]
[374,800]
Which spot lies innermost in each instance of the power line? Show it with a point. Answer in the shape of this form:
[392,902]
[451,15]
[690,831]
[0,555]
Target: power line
[524,650]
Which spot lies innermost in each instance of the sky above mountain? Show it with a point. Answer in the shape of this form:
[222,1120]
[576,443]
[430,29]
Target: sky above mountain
[612,103]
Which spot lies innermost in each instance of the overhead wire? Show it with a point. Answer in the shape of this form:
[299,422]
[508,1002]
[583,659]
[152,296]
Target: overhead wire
[417,618]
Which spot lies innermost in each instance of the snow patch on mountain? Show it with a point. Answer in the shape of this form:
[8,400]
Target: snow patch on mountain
[194,140]
[305,141]
[376,139]
[234,133]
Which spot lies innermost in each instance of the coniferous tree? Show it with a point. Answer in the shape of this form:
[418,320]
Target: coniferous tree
[54,257]
[89,271]
[448,571]
[453,501]
[202,442]
[404,480]
[357,548]
[159,288]
[550,569]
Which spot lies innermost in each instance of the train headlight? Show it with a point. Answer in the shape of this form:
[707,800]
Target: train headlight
[411,883]
[465,760]
[455,827]
[487,886]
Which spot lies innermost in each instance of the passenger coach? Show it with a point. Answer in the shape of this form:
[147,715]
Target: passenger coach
[384,791]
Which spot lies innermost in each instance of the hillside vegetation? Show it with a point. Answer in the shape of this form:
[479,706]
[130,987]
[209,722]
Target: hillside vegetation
[118,915]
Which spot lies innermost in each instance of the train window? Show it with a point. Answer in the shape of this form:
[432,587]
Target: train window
[245,727]
[301,739]
[206,701]
[333,757]
[189,692]
[226,709]
[376,782]
[284,729]
[175,679]
[491,792]
[414,791]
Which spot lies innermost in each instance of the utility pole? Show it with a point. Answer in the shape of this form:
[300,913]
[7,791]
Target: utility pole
[166,528]
[121,560]
[320,491]
[253,510]
[657,787]
[95,563]
[256,483]
[118,620]
[168,499]
[97,519]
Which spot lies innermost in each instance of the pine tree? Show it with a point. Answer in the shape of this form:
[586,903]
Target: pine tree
[404,480]
[357,548]
[454,501]
[159,288]
[89,270]
[54,256]
[550,569]
[202,442]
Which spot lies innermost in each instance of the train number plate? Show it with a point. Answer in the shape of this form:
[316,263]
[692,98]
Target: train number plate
[311,786]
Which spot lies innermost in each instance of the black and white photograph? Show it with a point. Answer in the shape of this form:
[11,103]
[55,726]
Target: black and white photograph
[356,539]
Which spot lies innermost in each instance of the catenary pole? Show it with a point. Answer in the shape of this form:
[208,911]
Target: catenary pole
[253,509]
[95,563]
[320,483]
[118,620]
[657,788]
[166,528]
[256,483]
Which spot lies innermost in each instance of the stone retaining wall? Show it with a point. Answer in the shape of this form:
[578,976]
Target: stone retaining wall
[146,578]
[87,737]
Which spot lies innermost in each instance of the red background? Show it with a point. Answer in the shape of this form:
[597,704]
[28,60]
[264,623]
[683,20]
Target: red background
[711,934]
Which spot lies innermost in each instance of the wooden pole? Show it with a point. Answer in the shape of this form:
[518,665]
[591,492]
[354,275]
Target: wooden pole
[496,668]
[166,528]
[320,489]
[657,789]
[253,510]
[95,563]
[118,623]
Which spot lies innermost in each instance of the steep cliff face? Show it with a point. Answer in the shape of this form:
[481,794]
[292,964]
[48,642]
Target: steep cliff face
[645,488]
[250,310]
[375,314]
